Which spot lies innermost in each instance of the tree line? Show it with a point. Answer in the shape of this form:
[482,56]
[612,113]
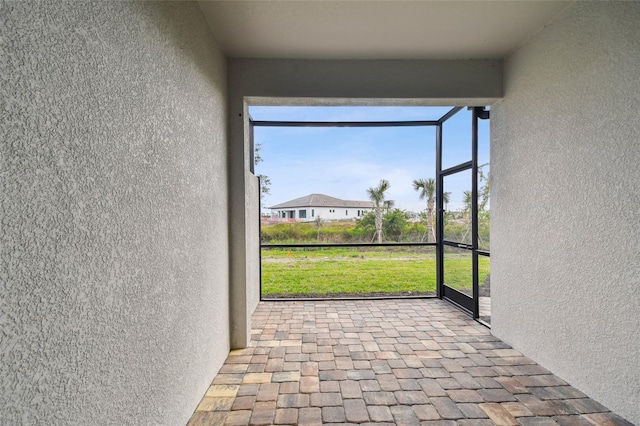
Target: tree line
[386,223]
[426,189]
[389,223]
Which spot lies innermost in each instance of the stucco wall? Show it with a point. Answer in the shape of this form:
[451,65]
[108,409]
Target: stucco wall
[114,275]
[252,235]
[566,202]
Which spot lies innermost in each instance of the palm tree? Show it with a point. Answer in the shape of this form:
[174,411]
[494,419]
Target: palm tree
[427,188]
[445,199]
[467,201]
[377,196]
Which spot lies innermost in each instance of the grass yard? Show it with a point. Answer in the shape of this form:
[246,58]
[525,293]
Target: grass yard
[358,271]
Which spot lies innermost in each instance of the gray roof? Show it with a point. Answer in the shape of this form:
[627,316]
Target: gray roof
[321,200]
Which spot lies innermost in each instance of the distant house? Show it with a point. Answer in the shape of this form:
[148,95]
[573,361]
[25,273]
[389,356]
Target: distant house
[308,208]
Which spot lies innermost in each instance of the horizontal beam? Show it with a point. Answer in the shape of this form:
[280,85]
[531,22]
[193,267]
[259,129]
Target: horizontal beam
[456,169]
[451,113]
[346,245]
[263,123]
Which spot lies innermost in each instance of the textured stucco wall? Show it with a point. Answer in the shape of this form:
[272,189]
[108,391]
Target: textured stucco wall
[114,274]
[327,82]
[383,79]
[252,211]
[565,271]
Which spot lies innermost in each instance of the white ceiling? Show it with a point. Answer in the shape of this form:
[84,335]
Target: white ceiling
[388,29]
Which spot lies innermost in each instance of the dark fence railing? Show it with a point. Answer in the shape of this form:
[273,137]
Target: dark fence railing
[320,245]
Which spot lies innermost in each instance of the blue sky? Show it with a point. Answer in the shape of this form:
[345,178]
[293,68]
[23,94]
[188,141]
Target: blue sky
[344,162]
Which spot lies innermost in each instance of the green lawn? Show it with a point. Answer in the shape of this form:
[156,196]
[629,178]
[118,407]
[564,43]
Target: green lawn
[348,252]
[357,271]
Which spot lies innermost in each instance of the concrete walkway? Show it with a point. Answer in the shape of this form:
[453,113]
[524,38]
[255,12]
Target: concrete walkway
[404,362]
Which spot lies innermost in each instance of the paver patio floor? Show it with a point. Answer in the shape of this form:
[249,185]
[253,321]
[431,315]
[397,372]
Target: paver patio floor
[404,362]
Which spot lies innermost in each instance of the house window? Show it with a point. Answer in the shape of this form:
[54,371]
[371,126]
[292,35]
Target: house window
[346,212]
[313,212]
[358,213]
[302,214]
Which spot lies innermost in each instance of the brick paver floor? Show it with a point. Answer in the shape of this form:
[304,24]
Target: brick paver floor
[385,362]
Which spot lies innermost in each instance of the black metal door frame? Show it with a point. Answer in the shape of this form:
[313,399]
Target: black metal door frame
[468,304]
